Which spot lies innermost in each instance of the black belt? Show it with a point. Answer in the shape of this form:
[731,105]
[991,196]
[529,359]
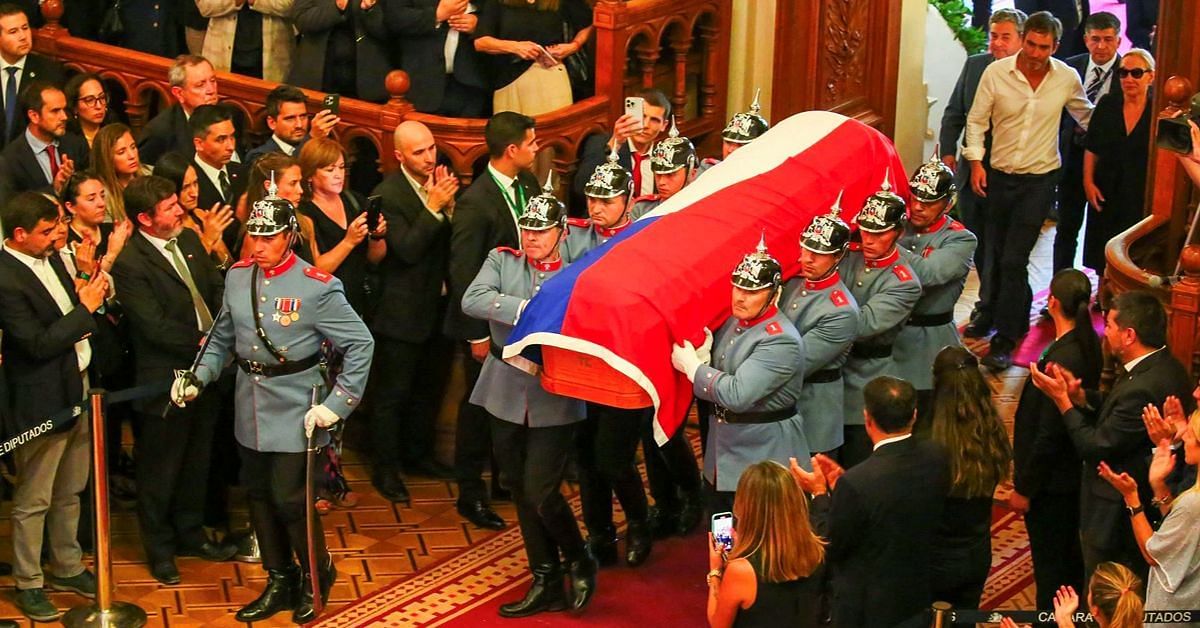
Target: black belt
[823,377]
[930,320]
[870,352]
[725,415]
[268,369]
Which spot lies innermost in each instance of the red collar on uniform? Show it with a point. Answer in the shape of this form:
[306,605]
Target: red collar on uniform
[821,284]
[283,266]
[936,226]
[885,261]
[608,232]
[545,266]
[771,311]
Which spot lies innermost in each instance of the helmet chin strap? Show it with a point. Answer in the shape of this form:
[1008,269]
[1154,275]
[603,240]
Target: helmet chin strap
[769,302]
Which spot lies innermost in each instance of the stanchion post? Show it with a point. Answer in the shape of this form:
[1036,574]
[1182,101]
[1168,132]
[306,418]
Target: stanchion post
[104,612]
[941,614]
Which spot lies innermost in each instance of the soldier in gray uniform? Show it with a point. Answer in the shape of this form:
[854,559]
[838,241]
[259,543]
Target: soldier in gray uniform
[278,312]
[743,128]
[753,383]
[533,430]
[673,163]
[826,315]
[880,279]
[608,191]
[941,251]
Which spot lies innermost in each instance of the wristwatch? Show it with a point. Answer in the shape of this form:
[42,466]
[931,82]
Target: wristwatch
[1134,510]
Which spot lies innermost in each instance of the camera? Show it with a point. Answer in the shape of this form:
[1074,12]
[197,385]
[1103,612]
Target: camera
[1174,134]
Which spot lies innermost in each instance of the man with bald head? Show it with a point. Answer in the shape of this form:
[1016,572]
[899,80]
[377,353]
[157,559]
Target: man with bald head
[412,353]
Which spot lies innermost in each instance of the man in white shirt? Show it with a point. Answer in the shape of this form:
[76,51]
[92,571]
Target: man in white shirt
[1021,100]
[47,354]
[19,66]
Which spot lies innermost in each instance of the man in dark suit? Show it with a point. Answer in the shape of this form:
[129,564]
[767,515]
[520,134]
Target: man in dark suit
[1071,13]
[152,27]
[1004,40]
[633,140]
[170,290]
[411,356]
[485,217]
[193,83]
[1109,428]
[47,354]
[880,517]
[1097,69]
[341,50]
[449,85]
[45,156]
[1140,18]
[287,117]
[18,66]
[221,180]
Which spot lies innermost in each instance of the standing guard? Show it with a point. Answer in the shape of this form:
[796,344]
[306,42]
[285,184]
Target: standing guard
[608,191]
[941,253]
[743,128]
[533,430]
[753,383]
[880,279]
[673,163]
[826,315]
[276,336]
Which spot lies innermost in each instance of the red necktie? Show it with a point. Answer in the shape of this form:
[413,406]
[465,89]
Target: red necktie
[637,173]
[53,162]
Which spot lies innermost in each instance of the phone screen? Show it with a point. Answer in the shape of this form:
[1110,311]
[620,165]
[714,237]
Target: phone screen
[722,530]
[373,209]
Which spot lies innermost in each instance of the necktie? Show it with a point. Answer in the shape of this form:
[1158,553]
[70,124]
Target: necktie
[518,197]
[637,173]
[1093,87]
[53,155]
[224,179]
[181,267]
[10,100]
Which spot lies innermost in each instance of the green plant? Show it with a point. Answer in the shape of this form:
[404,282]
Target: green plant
[958,17]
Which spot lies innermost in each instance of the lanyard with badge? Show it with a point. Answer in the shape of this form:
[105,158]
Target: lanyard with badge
[515,206]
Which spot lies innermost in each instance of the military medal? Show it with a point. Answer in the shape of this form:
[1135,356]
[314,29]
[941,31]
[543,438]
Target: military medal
[287,310]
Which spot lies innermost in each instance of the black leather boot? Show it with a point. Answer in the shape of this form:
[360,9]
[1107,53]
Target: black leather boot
[583,579]
[280,594]
[545,594]
[637,543]
[305,612]
[603,544]
[663,521]
[691,511]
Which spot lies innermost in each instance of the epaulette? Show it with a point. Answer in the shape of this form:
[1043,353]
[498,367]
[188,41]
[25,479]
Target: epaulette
[510,251]
[312,272]
[902,272]
[856,246]
[839,298]
[582,223]
[648,197]
[710,161]
[956,225]
[774,328]
[244,263]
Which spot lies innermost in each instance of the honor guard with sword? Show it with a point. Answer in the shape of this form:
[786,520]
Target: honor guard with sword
[743,128]
[941,253]
[533,431]
[279,311]
[753,383]
[883,283]
[673,163]
[825,313]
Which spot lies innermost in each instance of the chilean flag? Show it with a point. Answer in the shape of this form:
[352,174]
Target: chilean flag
[666,277]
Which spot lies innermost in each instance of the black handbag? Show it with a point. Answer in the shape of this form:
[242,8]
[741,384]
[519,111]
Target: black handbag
[578,65]
[112,27]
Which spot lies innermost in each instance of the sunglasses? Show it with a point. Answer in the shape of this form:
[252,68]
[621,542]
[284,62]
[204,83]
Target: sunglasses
[1136,73]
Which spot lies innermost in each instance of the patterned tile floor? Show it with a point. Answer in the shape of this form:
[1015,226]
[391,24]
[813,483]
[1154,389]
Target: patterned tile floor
[377,542]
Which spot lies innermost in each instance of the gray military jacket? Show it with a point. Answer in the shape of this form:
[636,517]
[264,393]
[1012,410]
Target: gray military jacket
[583,236]
[643,205]
[886,291]
[941,256]
[300,307]
[505,283]
[826,315]
[756,366]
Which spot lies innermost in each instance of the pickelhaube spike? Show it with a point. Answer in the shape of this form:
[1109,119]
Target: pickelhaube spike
[755,108]
[886,186]
[674,132]
[549,187]
[836,208]
[272,189]
[757,270]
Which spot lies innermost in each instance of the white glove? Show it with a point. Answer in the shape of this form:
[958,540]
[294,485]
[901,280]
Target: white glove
[185,388]
[318,416]
[685,360]
[704,351]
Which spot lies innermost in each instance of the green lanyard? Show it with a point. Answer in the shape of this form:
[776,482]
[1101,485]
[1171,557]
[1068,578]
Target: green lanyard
[516,207]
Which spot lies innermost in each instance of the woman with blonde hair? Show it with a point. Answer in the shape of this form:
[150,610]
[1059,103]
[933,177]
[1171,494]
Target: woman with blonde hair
[1172,551]
[115,160]
[965,423]
[1114,599]
[771,576]
[285,173]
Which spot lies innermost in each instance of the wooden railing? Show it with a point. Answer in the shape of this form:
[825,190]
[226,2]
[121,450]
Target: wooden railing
[694,75]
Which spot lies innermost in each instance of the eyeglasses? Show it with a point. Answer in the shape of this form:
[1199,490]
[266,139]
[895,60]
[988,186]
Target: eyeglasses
[1136,73]
[92,101]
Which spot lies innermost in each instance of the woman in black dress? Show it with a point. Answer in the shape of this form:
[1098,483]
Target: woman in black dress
[344,247]
[1118,152]
[772,576]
